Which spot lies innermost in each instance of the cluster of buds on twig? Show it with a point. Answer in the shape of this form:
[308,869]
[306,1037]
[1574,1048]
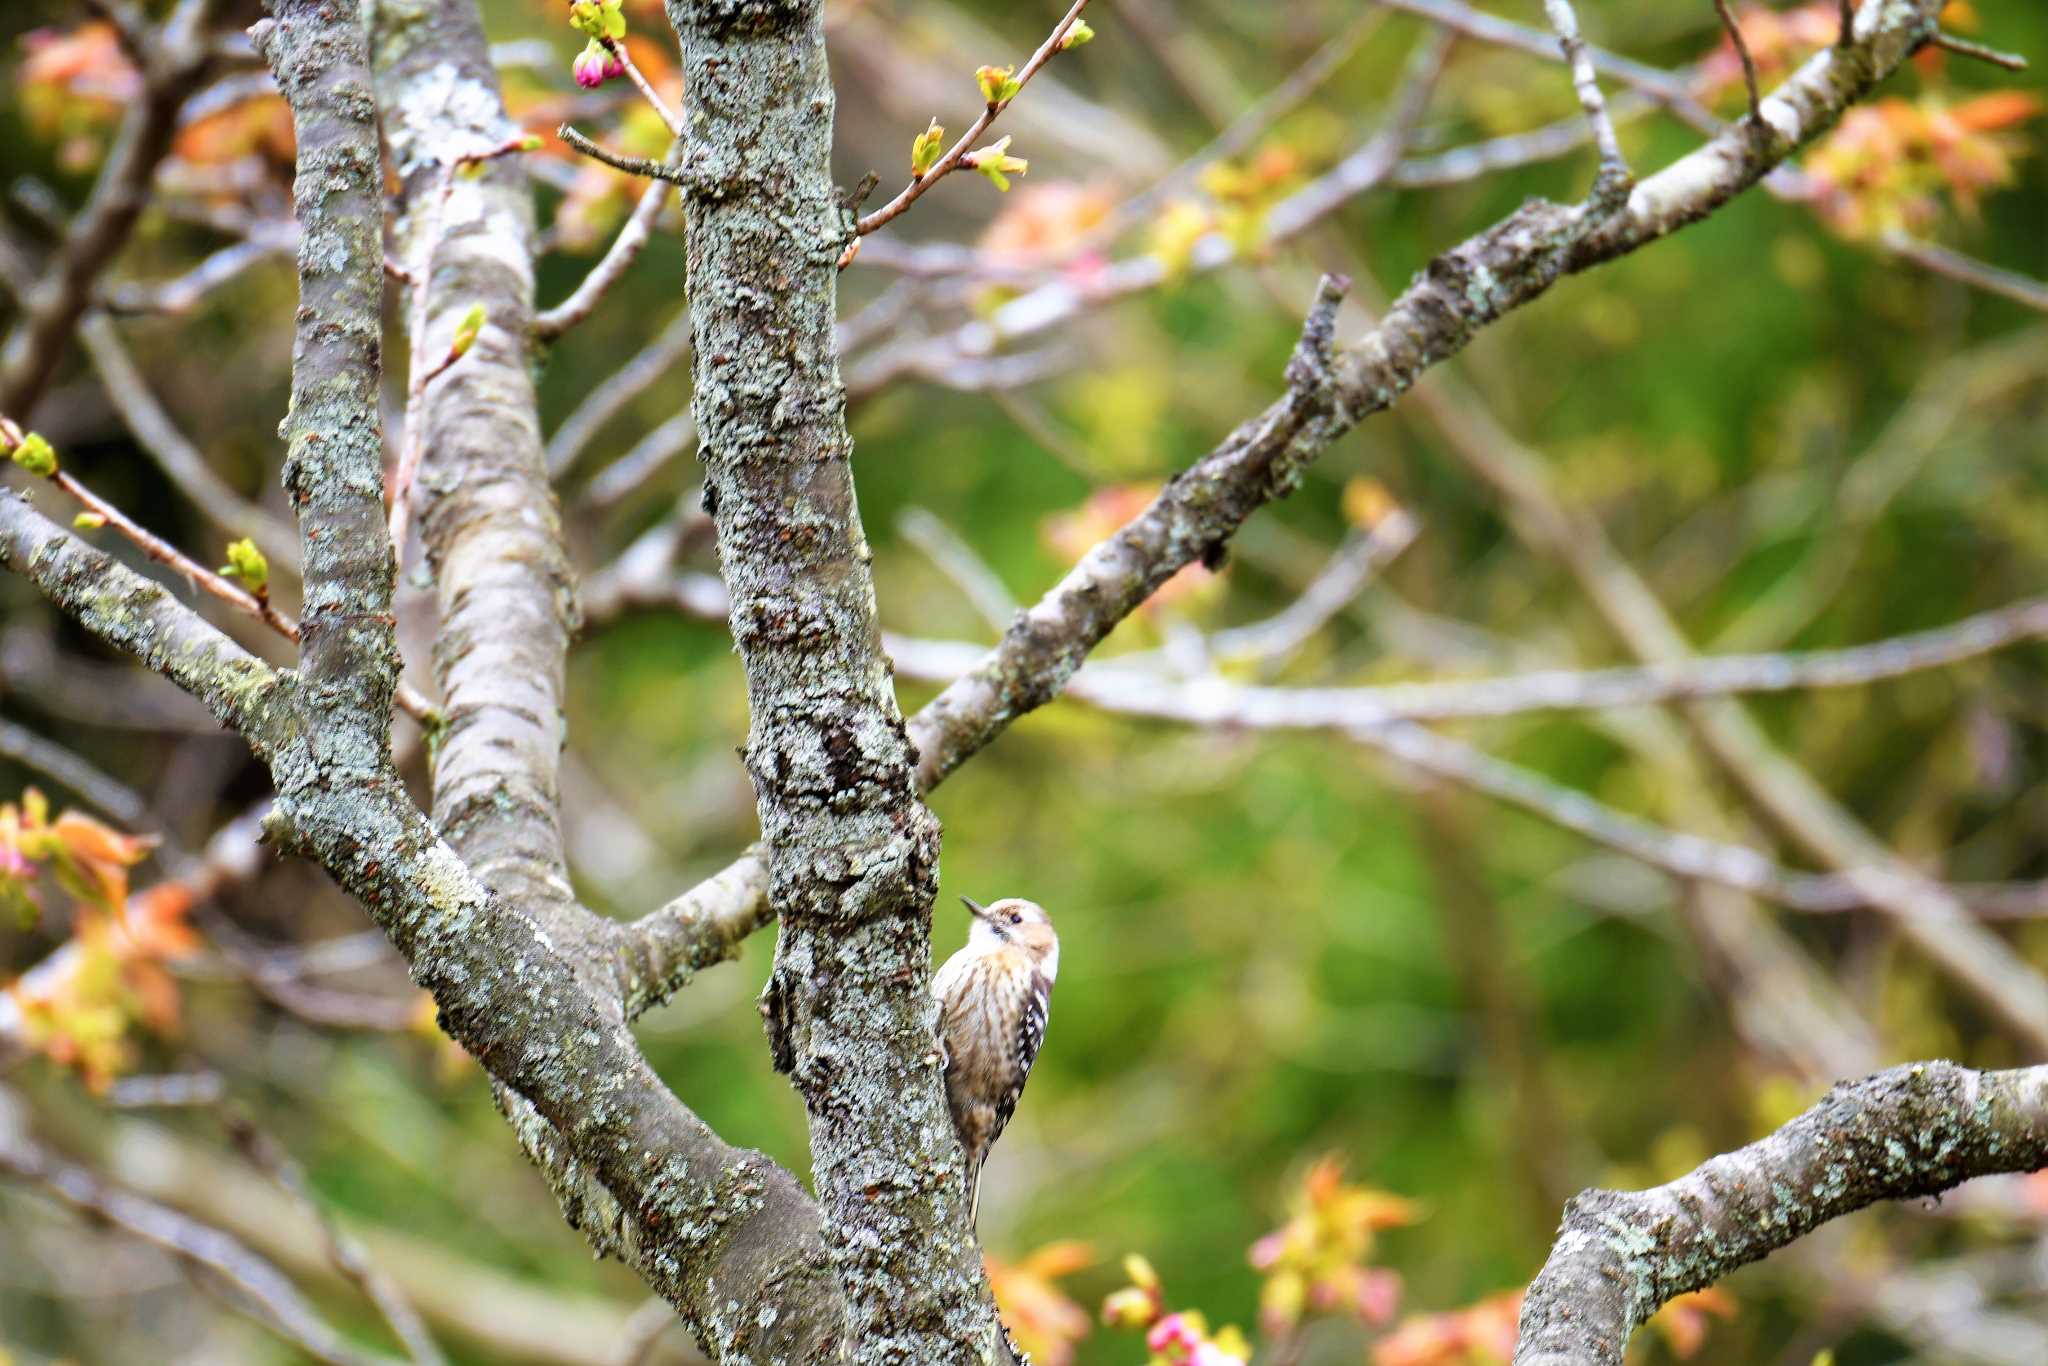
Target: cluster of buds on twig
[603,23]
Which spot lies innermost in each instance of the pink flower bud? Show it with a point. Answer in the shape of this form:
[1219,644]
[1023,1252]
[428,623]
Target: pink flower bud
[1171,1333]
[1379,1295]
[589,66]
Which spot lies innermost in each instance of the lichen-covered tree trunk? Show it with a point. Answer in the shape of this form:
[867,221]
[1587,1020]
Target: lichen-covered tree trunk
[855,858]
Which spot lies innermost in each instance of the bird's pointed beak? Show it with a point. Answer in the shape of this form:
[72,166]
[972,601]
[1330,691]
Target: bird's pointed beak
[974,908]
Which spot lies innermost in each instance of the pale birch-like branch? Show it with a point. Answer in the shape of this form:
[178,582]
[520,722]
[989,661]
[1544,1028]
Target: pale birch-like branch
[1614,175]
[610,395]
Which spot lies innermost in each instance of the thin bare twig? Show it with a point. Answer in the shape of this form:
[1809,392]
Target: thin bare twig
[348,1255]
[1671,91]
[611,394]
[1614,177]
[957,560]
[167,1090]
[168,555]
[1977,52]
[257,605]
[260,1289]
[953,156]
[181,461]
[640,166]
[1248,126]
[174,65]
[625,249]
[268,239]
[647,455]
[2007,284]
[670,119]
[1470,162]
[1734,27]
[59,764]
[1348,571]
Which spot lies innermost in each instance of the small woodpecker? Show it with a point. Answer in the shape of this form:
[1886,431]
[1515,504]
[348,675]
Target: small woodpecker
[994,996]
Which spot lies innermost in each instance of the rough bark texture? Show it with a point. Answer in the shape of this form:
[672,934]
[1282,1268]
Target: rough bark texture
[750,1279]
[723,1234]
[1912,1131]
[1458,294]
[1448,303]
[854,857]
[142,618]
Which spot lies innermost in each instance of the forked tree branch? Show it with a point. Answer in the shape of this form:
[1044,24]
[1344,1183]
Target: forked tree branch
[1912,1131]
[1329,392]
[854,854]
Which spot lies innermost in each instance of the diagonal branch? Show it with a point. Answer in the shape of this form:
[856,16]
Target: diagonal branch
[634,235]
[135,615]
[1456,296]
[1781,793]
[1913,1131]
[272,1299]
[955,155]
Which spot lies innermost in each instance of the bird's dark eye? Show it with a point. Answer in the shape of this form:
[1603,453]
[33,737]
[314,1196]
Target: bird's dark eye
[1016,917]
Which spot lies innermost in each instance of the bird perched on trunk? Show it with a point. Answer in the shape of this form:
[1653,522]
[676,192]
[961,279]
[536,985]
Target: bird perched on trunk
[994,995]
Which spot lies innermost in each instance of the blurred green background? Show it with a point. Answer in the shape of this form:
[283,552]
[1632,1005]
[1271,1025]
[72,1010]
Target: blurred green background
[1275,947]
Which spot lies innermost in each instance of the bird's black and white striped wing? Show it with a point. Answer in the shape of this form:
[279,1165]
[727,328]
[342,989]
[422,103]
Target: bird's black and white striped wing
[1030,1035]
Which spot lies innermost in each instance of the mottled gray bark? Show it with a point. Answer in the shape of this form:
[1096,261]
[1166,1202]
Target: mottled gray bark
[854,854]
[726,1236]
[493,540]
[1455,296]
[1912,1131]
[143,619]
